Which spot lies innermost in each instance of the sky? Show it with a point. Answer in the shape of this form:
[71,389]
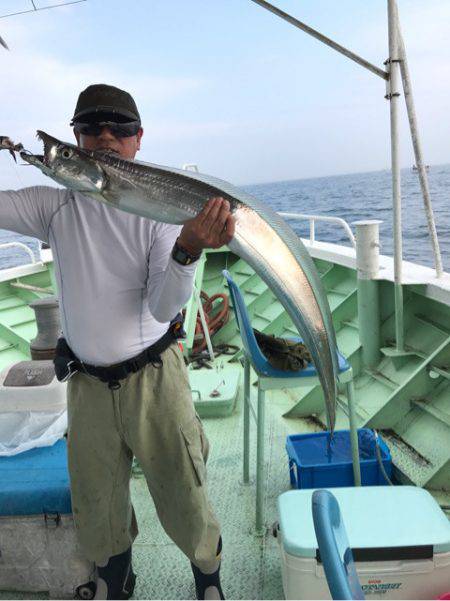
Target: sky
[227,85]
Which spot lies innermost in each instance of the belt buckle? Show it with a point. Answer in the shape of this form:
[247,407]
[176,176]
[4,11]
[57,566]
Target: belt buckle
[70,373]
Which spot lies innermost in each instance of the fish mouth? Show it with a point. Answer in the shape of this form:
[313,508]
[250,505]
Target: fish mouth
[44,161]
[49,143]
[40,160]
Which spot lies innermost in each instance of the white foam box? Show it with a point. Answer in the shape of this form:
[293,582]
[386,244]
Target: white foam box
[399,535]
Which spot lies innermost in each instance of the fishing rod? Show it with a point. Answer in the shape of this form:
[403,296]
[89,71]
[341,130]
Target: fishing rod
[38,8]
[35,9]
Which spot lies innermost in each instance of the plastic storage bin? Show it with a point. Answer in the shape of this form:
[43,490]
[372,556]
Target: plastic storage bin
[399,536]
[312,466]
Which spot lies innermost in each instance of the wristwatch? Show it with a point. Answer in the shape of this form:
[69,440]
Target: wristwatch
[182,256]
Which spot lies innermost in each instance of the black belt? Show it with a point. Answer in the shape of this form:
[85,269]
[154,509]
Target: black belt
[67,363]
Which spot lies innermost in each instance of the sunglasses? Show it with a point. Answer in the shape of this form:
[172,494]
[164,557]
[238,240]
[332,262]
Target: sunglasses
[118,130]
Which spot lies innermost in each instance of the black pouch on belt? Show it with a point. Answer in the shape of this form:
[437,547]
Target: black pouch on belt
[65,361]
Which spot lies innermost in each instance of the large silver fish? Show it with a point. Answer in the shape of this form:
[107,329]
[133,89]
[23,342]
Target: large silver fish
[262,237]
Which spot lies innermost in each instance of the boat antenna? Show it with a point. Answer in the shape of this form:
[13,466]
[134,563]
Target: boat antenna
[38,8]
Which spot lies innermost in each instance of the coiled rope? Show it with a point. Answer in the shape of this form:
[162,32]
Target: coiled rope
[216,315]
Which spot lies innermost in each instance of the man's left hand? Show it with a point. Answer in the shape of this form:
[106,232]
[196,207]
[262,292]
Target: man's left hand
[211,228]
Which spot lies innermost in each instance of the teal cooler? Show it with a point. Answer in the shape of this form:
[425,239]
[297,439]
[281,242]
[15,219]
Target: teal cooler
[38,545]
[399,536]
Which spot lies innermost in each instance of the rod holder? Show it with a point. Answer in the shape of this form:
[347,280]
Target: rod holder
[367,264]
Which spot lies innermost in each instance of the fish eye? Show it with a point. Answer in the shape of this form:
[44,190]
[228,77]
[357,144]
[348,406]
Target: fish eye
[66,153]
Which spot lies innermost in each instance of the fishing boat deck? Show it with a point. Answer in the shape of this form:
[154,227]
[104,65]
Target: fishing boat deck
[384,399]
[251,564]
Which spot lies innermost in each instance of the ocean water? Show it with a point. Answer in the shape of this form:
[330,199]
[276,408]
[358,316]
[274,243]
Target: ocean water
[351,197]
[369,196]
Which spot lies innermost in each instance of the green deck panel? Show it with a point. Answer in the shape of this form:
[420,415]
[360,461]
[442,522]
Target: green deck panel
[384,395]
[17,319]
[9,334]
[388,397]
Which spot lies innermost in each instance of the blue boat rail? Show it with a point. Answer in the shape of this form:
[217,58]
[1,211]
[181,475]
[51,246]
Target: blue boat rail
[312,224]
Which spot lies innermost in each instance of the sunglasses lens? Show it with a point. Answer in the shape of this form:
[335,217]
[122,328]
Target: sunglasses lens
[88,129]
[118,130]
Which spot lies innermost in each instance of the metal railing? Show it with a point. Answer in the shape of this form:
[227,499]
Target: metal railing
[312,224]
[24,247]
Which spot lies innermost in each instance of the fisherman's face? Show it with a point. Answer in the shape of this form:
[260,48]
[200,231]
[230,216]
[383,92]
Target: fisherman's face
[124,147]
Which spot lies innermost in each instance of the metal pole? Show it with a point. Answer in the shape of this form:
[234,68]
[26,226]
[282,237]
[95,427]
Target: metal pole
[246,419]
[260,422]
[322,38]
[204,324]
[353,432]
[367,263]
[407,90]
[393,96]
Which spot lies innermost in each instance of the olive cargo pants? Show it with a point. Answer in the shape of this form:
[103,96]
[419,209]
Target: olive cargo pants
[151,416]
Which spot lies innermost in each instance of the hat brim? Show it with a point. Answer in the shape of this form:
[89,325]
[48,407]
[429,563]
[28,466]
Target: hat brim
[105,109]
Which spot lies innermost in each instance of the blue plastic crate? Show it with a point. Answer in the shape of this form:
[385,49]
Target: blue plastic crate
[312,466]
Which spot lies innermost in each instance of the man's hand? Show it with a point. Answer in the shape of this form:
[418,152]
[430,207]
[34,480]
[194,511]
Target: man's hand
[212,228]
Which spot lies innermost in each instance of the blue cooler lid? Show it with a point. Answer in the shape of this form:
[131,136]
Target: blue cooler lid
[35,482]
[375,517]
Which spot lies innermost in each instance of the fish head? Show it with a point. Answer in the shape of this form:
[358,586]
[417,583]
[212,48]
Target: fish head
[68,165]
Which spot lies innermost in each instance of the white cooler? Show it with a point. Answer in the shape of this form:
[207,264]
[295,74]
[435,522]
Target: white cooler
[399,536]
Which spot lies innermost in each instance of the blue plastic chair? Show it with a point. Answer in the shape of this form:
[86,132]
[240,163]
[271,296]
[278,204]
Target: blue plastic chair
[335,551]
[269,378]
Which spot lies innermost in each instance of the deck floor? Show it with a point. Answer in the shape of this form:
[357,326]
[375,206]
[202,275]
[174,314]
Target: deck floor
[251,564]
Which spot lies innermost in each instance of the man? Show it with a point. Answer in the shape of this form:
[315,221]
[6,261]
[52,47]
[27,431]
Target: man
[121,280]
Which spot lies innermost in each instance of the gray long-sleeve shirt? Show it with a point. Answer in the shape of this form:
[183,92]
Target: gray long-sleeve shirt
[118,285]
